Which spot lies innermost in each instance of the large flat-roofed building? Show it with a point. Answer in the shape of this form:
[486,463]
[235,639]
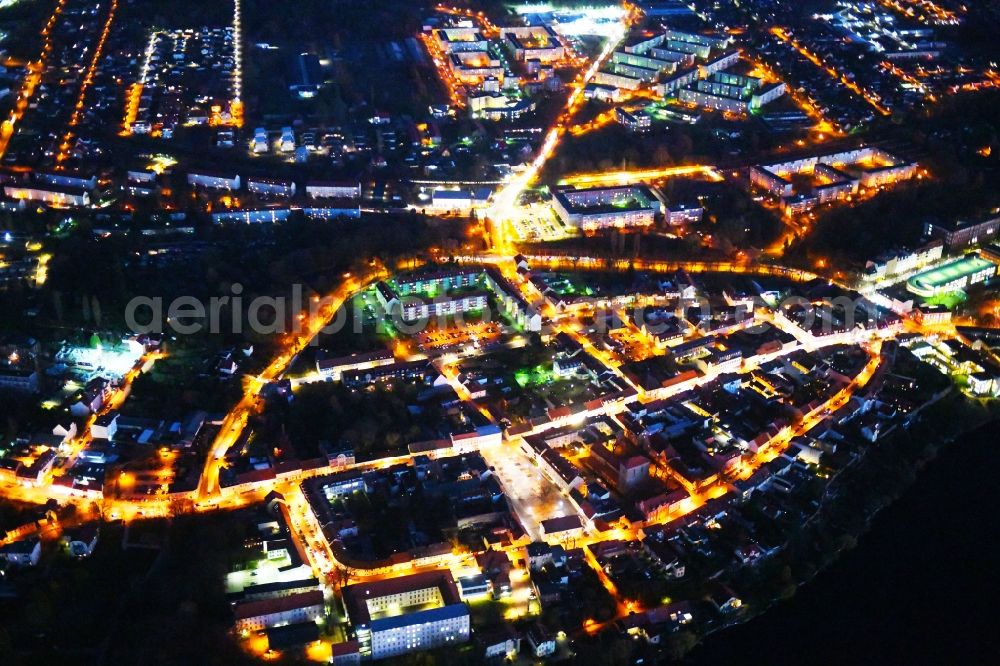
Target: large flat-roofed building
[415,305]
[644,61]
[678,58]
[341,484]
[766,94]
[961,233]
[677,80]
[615,77]
[48,194]
[414,309]
[771,181]
[731,85]
[401,371]
[407,614]
[832,184]
[251,215]
[535,43]
[474,67]
[677,40]
[672,54]
[836,176]
[71,179]
[271,186]
[719,63]
[436,281]
[23,553]
[953,276]
[256,614]
[214,180]
[703,95]
[425,295]
[452,40]
[735,93]
[680,212]
[597,208]
[668,62]
[704,84]
[345,208]
[682,46]
[643,43]
[461,202]
[711,41]
[333,368]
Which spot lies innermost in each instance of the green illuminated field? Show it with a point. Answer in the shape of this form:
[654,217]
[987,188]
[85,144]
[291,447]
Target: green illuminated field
[931,282]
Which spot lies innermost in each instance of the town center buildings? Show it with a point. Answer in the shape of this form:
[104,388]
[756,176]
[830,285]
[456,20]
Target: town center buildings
[407,614]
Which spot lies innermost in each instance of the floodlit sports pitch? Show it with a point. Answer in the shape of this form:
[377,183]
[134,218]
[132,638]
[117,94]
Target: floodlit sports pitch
[952,276]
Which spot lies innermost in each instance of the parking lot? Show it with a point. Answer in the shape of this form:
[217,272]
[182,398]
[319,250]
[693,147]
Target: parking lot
[538,222]
[478,335]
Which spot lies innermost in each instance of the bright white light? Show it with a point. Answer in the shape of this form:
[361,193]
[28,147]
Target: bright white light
[601,21]
[587,25]
[540,8]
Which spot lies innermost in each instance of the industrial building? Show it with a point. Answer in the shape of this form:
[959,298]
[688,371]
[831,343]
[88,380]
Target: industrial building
[333,190]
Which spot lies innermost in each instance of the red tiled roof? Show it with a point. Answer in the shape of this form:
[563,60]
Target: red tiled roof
[259,607]
[255,475]
[557,412]
[345,648]
[635,461]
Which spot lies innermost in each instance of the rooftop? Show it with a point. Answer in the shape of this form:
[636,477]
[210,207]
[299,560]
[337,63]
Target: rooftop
[448,612]
[943,275]
[356,596]
[257,607]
